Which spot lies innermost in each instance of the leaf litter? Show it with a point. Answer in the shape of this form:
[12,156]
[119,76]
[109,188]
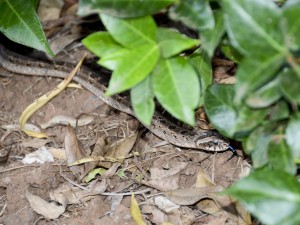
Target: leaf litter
[171,185]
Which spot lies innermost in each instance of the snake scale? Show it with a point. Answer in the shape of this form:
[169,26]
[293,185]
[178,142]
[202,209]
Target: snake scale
[161,126]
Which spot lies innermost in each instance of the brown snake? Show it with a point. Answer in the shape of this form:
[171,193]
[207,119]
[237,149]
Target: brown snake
[95,83]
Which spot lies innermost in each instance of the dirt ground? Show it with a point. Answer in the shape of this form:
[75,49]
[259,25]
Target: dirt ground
[170,184]
[160,167]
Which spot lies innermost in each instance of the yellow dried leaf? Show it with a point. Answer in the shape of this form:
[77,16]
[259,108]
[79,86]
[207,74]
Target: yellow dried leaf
[40,102]
[135,212]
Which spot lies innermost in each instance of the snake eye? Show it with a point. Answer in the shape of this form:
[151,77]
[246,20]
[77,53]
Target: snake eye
[216,142]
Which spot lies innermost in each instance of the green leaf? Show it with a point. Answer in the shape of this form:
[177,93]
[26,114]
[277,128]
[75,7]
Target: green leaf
[211,38]
[142,99]
[202,66]
[176,86]
[280,157]
[265,96]
[254,73]
[279,111]
[292,22]
[132,68]
[219,108]
[289,85]
[194,14]
[131,32]
[271,196]
[292,134]
[257,144]
[19,22]
[230,52]
[247,120]
[123,9]
[253,26]
[223,115]
[102,44]
[171,42]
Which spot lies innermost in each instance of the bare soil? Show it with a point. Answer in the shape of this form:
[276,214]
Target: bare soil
[17,92]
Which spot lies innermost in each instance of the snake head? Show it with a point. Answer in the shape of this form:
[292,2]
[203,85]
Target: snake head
[212,142]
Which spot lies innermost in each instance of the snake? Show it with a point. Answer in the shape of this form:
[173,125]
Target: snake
[93,81]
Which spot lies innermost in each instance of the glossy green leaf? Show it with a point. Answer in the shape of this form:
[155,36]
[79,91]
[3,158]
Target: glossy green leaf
[257,144]
[247,120]
[114,59]
[230,52]
[142,99]
[101,44]
[211,38]
[280,156]
[292,134]
[265,96]
[279,111]
[176,86]
[132,68]
[271,196]
[171,42]
[19,22]
[253,26]
[289,85]
[292,21]
[202,66]
[131,32]
[254,73]
[120,8]
[223,114]
[220,109]
[194,14]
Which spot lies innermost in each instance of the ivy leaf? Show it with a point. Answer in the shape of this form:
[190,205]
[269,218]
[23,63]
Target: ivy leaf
[253,26]
[292,134]
[289,85]
[211,38]
[171,42]
[132,68]
[265,96]
[250,71]
[202,65]
[260,190]
[18,20]
[194,14]
[176,86]
[123,9]
[131,32]
[142,101]
[292,20]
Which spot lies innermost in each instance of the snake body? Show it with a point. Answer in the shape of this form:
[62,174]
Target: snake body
[94,82]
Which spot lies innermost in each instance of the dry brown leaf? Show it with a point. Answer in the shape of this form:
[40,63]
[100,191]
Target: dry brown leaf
[58,153]
[122,147]
[190,196]
[157,216]
[208,206]
[203,180]
[74,151]
[74,195]
[49,210]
